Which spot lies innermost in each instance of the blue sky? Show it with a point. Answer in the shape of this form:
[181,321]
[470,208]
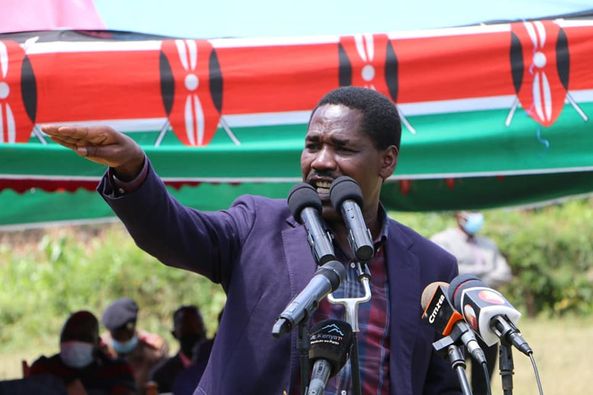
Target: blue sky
[260,18]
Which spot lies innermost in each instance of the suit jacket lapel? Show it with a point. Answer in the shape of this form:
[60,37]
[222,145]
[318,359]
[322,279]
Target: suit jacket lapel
[300,266]
[299,260]
[404,283]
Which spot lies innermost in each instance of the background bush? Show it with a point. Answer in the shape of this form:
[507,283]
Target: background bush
[70,269]
[48,274]
[549,249]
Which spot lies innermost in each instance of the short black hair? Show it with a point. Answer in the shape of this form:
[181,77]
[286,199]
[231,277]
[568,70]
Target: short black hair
[82,326]
[190,308]
[380,119]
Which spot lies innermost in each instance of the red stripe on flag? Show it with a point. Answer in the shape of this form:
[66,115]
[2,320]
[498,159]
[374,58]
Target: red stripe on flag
[97,85]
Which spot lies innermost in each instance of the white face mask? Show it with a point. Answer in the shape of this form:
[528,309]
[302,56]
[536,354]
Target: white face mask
[124,347]
[473,223]
[76,354]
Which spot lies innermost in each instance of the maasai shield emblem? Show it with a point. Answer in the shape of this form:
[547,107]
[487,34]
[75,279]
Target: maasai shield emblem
[540,67]
[18,96]
[369,61]
[191,87]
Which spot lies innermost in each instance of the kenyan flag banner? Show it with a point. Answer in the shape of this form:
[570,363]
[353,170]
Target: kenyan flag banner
[492,115]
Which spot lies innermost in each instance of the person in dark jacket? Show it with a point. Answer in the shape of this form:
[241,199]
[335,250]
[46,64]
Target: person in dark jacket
[82,365]
[190,332]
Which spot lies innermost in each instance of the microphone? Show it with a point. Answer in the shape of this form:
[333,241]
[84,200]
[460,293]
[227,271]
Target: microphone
[488,313]
[440,314]
[305,205]
[346,197]
[330,345]
[325,280]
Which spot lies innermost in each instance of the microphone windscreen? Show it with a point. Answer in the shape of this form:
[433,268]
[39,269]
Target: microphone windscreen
[331,340]
[429,291]
[334,271]
[300,196]
[344,188]
[458,284]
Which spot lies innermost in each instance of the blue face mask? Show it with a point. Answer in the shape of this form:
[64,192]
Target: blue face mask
[473,223]
[76,354]
[124,347]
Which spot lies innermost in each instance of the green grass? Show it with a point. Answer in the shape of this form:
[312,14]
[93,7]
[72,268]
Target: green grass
[561,348]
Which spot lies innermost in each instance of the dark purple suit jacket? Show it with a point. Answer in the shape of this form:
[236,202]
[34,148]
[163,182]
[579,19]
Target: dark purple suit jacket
[259,253]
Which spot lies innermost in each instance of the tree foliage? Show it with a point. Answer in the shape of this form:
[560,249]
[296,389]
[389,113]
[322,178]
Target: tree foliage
[549,249]
[58,271]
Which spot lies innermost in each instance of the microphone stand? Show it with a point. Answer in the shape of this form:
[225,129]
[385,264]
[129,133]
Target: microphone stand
[447,346]
[506,366]
[303,349]
[351,317]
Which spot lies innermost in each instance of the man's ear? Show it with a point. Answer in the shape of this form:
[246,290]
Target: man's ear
[388,162]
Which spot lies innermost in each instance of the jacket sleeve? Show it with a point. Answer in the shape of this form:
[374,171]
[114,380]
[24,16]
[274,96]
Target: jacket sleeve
[207,243]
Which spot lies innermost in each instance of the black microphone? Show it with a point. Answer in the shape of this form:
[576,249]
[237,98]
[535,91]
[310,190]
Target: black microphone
[488,313]
[325,280]
[440,314]
[346,197]
[305,205]
[330,345]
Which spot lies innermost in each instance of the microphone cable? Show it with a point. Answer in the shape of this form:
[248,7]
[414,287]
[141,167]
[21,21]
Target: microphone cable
[537,378]
[486,377]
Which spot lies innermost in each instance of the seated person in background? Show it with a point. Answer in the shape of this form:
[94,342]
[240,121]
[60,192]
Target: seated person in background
[82,366]
[142,350]
[189,330]
[187,380]
[477,255]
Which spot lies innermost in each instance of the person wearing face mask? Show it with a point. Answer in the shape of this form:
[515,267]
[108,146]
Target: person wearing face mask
[141,349]
[477,255]
[82,365]
[189,330]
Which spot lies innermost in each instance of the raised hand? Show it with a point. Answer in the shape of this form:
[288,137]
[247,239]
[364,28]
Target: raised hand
[101,144]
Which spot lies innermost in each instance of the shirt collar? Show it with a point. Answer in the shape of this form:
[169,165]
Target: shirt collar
[185,360]
[384,233]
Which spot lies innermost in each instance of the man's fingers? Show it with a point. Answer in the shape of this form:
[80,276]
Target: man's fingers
[66,131]
[50,130]
[101,144]
[94,135]
[66,139]
[63,142]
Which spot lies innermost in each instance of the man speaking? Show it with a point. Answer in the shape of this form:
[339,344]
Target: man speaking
[260,254]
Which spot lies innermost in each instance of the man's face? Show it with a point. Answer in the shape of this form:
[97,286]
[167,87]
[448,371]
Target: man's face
[336,146]
[123,333]
[189,323]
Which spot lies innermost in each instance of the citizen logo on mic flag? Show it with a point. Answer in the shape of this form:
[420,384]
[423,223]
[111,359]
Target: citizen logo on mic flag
[439,313]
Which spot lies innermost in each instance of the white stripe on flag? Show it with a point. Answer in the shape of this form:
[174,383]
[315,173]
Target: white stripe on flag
[302,117]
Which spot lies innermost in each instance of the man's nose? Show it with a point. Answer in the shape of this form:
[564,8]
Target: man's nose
[324,159]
